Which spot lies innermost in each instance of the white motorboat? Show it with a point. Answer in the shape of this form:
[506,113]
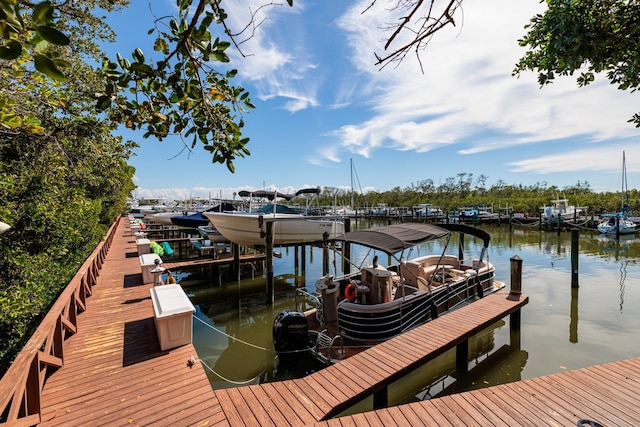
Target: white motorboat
[290,226]
[560,209]
[617,225]
[354,311]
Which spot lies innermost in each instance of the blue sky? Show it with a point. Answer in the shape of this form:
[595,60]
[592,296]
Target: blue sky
[321,101]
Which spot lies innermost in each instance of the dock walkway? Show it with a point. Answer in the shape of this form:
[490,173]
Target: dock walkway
[114,373]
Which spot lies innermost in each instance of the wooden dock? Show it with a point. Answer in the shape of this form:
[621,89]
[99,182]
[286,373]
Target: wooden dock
[112,372]
[335,388]
[204,262]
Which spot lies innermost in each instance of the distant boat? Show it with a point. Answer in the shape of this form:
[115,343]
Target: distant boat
[290,225]
[620,222]
[198,219]
[562,209]
[427,211]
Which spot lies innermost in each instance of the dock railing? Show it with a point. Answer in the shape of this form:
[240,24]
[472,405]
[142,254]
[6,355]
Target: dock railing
[21,385]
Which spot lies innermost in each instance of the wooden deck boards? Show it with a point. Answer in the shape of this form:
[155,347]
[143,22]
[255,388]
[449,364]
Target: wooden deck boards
[114,372]
[599,393]
[326,393]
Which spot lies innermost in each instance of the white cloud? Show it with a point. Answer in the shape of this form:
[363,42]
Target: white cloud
[468,89]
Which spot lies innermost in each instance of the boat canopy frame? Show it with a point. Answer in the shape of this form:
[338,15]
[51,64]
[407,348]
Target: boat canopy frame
[397,237]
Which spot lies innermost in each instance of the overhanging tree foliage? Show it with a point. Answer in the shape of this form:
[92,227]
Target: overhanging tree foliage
[180,93]
[585,37]
[63,175]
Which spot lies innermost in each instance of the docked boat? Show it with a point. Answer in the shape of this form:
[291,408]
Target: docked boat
[373,303]
[198,219]
[291,225]
[427,211]
[560,210]
[617,224]
[620,223]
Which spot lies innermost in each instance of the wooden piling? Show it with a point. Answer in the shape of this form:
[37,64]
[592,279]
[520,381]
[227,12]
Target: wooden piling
[269,253]
[515,319]
[574,257]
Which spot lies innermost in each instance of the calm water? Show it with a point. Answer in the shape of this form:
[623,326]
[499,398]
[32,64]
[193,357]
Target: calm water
[561,329]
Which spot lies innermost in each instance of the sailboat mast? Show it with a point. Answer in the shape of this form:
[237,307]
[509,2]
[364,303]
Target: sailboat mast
[625,192]
[351,169]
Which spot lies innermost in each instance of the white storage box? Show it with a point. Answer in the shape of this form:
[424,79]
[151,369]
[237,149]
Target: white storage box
[147,262]
[135,228]
[144,246]
[172,315]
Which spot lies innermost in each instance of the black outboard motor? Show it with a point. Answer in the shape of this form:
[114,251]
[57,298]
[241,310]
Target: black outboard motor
[290,332]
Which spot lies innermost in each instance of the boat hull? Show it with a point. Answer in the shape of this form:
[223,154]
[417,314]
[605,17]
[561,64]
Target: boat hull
[609,227]
[250,229]
[362,323]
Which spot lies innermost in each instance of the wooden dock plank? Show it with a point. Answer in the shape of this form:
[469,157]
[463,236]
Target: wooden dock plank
[295,414]
[277,418]
[114,371]
[375,362]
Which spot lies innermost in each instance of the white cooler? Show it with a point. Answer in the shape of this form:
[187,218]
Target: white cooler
[147,262]
[144,246]
[172,316]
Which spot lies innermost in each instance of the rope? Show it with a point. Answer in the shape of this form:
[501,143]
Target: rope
[229,336]
[193,361]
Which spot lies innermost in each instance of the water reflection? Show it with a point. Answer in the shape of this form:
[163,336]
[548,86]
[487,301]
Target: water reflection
[623,276]
[234,337]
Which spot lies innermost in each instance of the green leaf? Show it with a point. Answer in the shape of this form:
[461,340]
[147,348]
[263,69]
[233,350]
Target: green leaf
[42,13]
[48,67]
[52,35]
[11,50]
[138,56]
[141,68]
[62,63]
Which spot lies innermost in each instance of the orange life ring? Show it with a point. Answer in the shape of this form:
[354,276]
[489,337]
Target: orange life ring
[350,292]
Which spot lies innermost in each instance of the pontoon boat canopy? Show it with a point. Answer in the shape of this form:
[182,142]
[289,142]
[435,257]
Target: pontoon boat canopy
[394,238]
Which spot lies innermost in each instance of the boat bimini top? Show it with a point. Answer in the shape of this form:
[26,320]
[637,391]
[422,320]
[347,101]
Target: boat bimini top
[397,237]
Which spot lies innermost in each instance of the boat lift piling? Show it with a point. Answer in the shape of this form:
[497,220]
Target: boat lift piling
[515,319]
[269,262]
[575,245]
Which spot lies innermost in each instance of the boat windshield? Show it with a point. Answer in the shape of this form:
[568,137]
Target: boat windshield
[269,208]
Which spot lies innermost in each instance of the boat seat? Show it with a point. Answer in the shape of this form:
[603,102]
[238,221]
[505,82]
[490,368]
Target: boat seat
[423,284]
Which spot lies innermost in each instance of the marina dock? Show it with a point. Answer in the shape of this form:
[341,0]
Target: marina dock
[101,364]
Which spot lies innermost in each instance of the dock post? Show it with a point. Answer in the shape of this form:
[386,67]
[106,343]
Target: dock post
[462,354]
[574,257]
[296,262]
[346,249]
[269,250]
[235,251]
[325,253]
[516,290]
[381,399]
